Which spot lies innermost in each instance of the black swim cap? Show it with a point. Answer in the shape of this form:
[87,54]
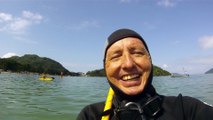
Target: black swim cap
[120,34]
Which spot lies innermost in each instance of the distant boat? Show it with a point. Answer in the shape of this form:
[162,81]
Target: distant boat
[179,75]
[185,74]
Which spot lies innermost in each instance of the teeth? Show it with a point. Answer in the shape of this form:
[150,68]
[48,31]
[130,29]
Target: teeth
[129,77]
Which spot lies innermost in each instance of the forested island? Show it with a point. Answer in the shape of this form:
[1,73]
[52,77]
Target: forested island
[157,71]
[36,64]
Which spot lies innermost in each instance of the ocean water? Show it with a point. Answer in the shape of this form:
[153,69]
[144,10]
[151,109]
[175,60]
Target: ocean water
[24,97]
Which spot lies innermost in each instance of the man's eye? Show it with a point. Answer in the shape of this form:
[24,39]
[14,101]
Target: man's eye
[140,53]
[115,57]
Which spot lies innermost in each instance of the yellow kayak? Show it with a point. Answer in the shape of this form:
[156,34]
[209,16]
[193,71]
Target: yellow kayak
[46,78]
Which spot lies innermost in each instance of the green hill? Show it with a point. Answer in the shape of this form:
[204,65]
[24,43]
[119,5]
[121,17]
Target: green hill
[33,63]
[157,71]
[98,72]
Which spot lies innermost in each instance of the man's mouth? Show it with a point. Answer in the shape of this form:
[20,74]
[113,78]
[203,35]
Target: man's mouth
[130,77]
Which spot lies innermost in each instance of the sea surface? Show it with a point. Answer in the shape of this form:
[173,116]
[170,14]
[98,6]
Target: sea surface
[24,97]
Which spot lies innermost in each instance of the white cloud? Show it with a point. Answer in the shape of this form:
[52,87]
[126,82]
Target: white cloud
[166,3]
[206,42]
[165,66]
[18,24]
[32,16]
[8,55]
[4,17]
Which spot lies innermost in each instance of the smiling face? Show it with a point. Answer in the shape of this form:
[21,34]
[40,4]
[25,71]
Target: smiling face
[128,65]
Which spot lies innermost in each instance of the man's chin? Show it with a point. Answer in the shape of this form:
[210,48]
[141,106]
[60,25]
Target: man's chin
[132,92]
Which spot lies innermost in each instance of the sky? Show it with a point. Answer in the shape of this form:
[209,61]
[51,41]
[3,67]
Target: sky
[179,33]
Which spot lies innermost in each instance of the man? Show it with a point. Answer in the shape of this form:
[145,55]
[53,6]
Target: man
[129,71]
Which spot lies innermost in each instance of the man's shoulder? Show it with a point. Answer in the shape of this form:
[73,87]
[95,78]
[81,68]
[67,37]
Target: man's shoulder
[188,107]
[96,106]
[184,100]
[92,111]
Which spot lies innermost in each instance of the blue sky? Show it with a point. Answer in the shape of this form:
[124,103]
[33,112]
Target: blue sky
[179,33]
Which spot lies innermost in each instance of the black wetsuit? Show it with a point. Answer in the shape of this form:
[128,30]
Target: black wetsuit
[172,108]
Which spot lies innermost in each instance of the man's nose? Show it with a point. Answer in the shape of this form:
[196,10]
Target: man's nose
[128,61]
